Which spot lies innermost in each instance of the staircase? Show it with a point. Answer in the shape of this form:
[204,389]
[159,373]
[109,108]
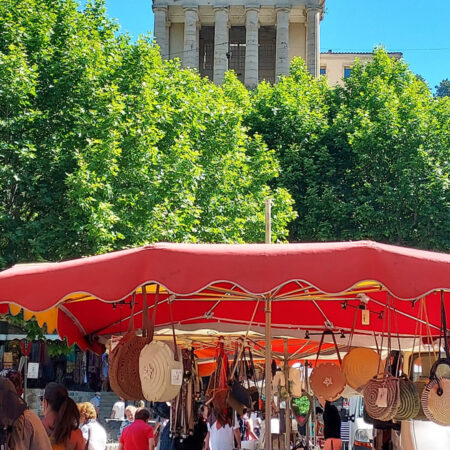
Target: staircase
[106,403]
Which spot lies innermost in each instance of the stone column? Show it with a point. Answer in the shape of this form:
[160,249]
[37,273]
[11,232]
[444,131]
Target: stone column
[190,55]
[220,44]
[162,30]
[251,47]
[282,50]
[313,41]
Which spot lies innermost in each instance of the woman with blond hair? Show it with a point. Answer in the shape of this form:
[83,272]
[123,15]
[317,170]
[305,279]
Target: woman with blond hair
[93,432]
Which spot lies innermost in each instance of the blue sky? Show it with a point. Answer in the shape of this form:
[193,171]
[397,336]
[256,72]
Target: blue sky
[418,28]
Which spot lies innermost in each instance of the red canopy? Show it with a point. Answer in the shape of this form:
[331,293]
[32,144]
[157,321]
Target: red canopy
[224,286]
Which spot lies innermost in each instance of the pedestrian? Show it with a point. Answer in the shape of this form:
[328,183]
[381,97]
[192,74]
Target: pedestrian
[332,427]
[118,409]
[61,419]
[95,400]
[130,411]
[138,435]
[104,374]
[221,435]
[21,428]
[93,433]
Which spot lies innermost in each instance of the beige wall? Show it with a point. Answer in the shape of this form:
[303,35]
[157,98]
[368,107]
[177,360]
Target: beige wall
[297,40]
[335,64]
[176,46]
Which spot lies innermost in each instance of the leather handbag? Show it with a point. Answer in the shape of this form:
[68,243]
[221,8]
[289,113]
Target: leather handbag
[124,365]
[327,379]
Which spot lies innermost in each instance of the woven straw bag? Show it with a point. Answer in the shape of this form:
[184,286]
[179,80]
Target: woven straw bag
[327,379]
[160,369]
[436,401]
[371,394]
[436,394]
[360,365]
[409,400]
[125,359]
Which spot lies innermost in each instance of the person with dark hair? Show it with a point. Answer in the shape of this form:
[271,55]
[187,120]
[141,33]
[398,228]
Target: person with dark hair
[221,435]
[138,435]
[61,418]
[332,427]
[20,428]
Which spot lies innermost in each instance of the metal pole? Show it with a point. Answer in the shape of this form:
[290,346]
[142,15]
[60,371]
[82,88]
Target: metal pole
[288,399]
[25,380]
[309,417]
[268,378]
[268,220]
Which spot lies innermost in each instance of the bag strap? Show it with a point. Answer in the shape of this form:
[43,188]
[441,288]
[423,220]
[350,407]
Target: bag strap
[131,321]
[175,347]
[151,329]
[325,332]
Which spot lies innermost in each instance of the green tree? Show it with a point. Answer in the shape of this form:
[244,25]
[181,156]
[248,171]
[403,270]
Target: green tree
[367,160]
[103,145]
[443,88]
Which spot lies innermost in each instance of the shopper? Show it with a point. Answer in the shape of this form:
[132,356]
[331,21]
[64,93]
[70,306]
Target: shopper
[61,419]
[221,435]
[95,400]
[93,433]
[332,427]
[118,409]
[20,428]
[130,411]
[138,435]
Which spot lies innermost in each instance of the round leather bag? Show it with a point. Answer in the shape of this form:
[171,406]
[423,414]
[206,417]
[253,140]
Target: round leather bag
[409,400]
[392,400]
[435,406]
[127,366]
[156,365]
[327,382]
[360,365]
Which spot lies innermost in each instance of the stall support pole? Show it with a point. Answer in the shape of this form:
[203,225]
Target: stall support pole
[268,220]
[268,377]
[308,424]
[288,399]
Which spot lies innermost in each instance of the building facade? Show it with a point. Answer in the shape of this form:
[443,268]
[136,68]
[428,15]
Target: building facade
[338,66]
[255,38]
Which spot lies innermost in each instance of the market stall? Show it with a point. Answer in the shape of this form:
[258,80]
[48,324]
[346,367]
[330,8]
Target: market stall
[290,290]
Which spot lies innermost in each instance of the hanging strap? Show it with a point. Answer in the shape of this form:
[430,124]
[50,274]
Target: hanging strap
[175,347]
[350,339]
[335,345]
[444,327]
[151,330]
[131,321]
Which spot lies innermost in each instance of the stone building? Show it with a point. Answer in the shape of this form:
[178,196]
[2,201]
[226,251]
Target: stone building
[337,66]
[255,38]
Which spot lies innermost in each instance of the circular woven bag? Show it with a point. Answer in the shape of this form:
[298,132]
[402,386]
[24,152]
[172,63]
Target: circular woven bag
[360,365]
[409,400]
[435,406]
[327,382]
[113,365]
[156,363]
[127,367]
[420,385]
[371,392]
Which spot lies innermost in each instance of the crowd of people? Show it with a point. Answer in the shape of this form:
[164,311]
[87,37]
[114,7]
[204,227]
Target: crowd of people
[65,425]
[69,426]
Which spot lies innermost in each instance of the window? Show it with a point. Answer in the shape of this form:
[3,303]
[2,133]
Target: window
[323,71]
[236,52]
[347,72]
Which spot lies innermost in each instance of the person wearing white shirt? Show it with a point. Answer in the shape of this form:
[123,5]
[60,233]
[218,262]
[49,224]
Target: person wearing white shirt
[118,410]
[93,432]
[221,435]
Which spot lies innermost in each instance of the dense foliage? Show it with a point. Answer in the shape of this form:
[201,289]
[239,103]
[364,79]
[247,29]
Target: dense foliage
[366,160]
[104,146]
[443,88]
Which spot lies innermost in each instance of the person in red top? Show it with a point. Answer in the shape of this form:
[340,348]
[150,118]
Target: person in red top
[138,435]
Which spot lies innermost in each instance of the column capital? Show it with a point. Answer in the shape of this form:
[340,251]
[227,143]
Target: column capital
[190,8]
[252,8]
[162,8]
[221,8]
[285,9]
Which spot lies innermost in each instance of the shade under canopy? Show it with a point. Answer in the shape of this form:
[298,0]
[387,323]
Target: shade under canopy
[222,287]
